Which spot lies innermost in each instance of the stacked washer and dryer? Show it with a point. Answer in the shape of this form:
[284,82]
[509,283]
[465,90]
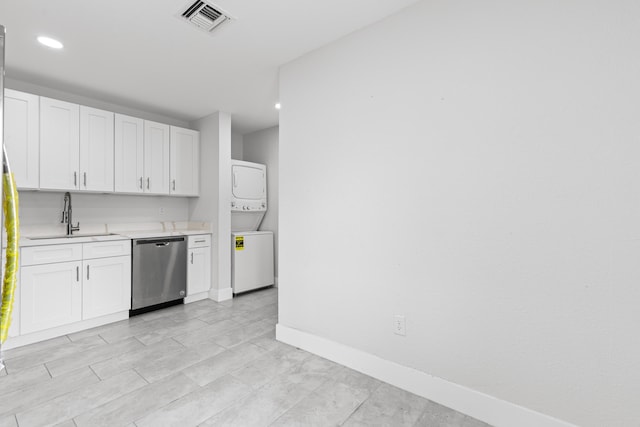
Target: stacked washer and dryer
[251,250]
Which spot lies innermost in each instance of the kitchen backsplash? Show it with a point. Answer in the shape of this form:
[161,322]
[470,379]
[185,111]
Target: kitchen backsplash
[45,208]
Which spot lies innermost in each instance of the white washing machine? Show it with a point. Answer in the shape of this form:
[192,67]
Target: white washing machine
[251,260]
[251,250]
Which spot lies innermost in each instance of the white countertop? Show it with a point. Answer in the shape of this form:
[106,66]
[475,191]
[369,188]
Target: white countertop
[81,238]
[49,240]
[39,235]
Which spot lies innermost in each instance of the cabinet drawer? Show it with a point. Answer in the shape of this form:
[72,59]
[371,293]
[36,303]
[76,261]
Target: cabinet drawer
[107,249]
[49,254]
[200,241]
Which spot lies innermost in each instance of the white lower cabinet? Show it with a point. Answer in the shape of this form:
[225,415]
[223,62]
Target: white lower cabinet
[199,265]
[199,271]
[106,286]
[51,296]
[14,327]
[60,287]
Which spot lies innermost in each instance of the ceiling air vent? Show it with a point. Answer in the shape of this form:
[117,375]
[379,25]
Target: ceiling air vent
[204,16]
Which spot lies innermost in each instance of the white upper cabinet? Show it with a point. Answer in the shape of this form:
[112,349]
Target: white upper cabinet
[96,149]
[22,135]
[156,158]
[185,153]
[129,154]
[59,145]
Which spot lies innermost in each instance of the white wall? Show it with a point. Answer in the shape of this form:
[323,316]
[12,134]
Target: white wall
[236,146]
[262,147]
[213,205]
[475,167]
[45,208]
[91,102]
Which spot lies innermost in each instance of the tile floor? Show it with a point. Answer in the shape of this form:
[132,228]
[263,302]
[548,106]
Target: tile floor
[201,364]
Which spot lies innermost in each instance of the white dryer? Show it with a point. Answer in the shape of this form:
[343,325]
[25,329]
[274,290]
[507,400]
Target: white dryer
[248,195]
[252,250]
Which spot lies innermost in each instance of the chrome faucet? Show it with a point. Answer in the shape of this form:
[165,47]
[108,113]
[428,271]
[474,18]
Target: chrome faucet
[66,215]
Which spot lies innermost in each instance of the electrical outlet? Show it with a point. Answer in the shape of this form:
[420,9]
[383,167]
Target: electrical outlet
[399,325]
[161,211]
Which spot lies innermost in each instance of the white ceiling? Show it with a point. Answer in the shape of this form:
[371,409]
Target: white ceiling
[137,53]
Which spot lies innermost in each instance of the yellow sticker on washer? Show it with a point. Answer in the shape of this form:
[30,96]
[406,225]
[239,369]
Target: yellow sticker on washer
[239,243]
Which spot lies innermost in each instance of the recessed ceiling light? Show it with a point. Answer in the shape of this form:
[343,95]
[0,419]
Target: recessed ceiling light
[52,43]
[277,106]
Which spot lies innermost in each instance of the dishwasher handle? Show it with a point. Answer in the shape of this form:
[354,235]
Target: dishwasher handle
[159,241]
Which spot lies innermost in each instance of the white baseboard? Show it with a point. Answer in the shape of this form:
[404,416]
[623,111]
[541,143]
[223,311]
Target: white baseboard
[220,295]
[491,410]
[58,331]
[196,297]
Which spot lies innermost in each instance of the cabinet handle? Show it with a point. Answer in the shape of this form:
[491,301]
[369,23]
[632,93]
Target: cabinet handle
[141,183]
[191,257]
[77,273]
[87,272]
[75,179]
[174,185]
[148,181]
[200,241]
[85,180]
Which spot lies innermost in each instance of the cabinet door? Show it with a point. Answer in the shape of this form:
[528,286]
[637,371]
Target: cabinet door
[198,270]
[156,158]
[22,135]
[106,287]
[129,149]
[51,296]
[59,145]
[14,326]
[96,149]
[185,161]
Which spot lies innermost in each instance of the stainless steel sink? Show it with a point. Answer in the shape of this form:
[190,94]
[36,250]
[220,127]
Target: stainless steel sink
[72,236]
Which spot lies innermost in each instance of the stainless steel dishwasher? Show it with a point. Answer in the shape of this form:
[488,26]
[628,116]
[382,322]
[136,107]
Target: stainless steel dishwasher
[159,273]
